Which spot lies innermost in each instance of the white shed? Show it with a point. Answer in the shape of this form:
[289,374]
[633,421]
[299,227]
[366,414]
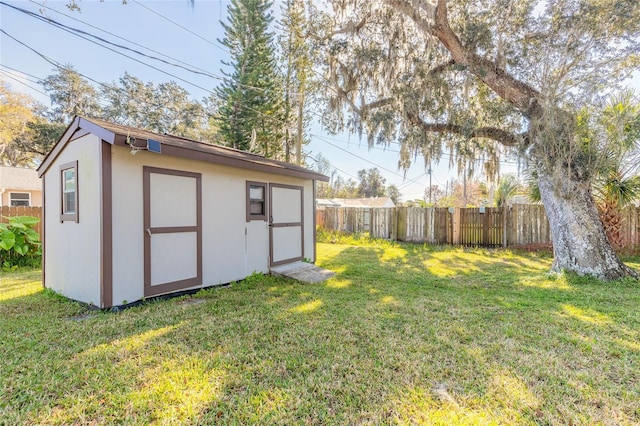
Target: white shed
[178,215]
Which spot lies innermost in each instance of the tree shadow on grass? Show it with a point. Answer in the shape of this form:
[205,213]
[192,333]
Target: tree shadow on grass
[523,318]
[399,343]
[63,363]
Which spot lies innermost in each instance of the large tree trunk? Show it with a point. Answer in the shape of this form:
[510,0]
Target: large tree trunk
[579,241]
[612,220]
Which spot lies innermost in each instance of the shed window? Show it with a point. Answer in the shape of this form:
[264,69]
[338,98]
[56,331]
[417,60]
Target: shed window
[256,201]
[20,199]
[69,186]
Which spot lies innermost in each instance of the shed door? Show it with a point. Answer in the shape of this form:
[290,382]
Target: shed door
[286,240]
[172,230]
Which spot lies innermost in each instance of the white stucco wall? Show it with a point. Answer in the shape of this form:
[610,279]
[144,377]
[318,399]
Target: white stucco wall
[72,250]
[232,248]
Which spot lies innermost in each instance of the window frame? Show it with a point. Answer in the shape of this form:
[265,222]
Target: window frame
[253,216]
[21,193]
[65,216]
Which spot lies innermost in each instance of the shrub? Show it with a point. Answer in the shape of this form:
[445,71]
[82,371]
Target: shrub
[19,243]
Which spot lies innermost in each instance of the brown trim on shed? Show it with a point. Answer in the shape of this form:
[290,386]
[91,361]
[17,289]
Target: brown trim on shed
[154,290]
[106,230]
[79,125]
[78,134]
[43,237]
[57,148]
[172,229]
[223,160]
[273,225]
[313,215]
[116,134]
[265,189]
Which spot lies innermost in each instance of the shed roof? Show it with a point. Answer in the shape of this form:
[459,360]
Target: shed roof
[19,178]
[177,146]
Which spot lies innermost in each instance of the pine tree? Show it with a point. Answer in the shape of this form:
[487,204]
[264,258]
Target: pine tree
[296,60]
[250,117]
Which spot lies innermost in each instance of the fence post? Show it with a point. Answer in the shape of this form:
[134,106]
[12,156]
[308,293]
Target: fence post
[485,227]
[505,219]
[455,226]
[393,232]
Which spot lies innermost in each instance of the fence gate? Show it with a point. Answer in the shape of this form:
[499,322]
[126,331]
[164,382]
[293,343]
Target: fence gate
[442,226]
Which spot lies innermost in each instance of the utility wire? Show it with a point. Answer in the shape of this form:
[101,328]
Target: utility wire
[22,72]
[73,32]
[334,167]
[79,32]
[11,71]
[122,38]
[364,159]
[9,75]
[444,154]
[333,89]
[57,65]
[180,26]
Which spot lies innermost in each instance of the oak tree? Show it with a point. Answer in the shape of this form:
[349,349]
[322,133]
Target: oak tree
[484,77]
[71,95]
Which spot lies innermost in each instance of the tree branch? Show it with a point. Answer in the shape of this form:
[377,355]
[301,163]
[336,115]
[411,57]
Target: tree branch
[409,10]
[499,135]
[376,104]
[441,68]
[351,27]
[519,94]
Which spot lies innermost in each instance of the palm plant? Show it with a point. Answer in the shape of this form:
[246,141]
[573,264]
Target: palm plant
[618,181]
[507,188]
[615,132]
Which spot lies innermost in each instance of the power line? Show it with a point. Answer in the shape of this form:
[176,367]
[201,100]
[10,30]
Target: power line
[73,31]
[121,38]
[22,72]
[57,65]
[364,159]
[7,74]
[181,26]
[78,32]
[336,168]
[444,154]
[33,80]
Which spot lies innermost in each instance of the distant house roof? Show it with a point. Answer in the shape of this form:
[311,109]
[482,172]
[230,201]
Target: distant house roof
[325,202]
[177,146]
[379,202]
[520,199]
[19,178]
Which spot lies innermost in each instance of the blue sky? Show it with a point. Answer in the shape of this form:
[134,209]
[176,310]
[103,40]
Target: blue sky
[185,34]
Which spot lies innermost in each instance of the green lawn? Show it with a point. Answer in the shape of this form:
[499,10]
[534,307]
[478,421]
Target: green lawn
[402,334]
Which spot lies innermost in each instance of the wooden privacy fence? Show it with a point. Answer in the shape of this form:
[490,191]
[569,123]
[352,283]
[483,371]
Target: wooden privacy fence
[520,224]
[9,211]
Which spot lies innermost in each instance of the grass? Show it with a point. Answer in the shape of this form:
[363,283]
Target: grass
[402,334]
